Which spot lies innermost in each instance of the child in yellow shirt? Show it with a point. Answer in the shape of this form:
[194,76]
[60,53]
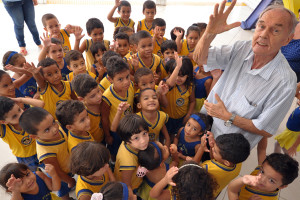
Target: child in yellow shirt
[168,49]
[122,44]
[159,29]
[97,50]
[149,10]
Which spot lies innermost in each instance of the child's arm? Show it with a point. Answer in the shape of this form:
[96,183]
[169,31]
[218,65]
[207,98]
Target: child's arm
[111,175]
[104,108]
[179,36]
[161,91]
[64,177]
[174,155]
[166,136]
[23,79]
[292,151]
[262,150]
[207,86]
[175,142]
[201,149]
[36,75]
[14,185]
[158,188]
[111,13]
[138,27]
[172,79]
[73,96]
[78,36]
[46,45]
[192,102]
[121,108]
[30,101]
[53,183]
[235,186]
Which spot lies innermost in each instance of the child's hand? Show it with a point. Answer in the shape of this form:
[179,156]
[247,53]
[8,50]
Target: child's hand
[46,40]
[178,60]
[190,55]
[134,62]
[216,73]
[49,169]
[178,33]
[203,144]
[169,175]
[78,33]
[31,68]
[123,106]
[188,158]
[211,139]
[15,69]
[173,148]
[101,69]
[114,46]
[14,184]
[251,180]
[117,3]
[162,88]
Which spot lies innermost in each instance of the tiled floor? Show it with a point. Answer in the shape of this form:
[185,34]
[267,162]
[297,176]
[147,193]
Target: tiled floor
[175,15]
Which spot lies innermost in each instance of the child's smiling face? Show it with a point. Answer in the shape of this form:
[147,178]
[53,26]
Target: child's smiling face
[125,12]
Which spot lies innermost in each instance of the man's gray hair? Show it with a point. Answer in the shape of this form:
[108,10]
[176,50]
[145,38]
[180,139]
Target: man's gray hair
[293,21]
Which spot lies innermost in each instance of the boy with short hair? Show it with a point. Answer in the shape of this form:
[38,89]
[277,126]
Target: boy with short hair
[122,40]
[227,153]
[73,115]
[132,47]
[121,90]
[52,26]
[89,93]
[149,10]
[51,86]
[51,144]
[76,64]
[97,50]
[168,49]
[276,172]
[21,145]
[159,29]
[95,30]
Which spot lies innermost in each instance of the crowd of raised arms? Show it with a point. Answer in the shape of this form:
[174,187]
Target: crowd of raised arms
[125,118]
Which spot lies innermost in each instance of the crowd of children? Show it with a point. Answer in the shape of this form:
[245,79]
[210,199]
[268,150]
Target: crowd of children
[125,119]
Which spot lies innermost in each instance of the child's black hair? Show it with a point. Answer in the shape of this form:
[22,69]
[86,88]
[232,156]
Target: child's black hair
[129,125]
[123,3]
[12,60]
[284,165]
[46,63]
[122,29]
[93,23]
[96,46]
[122,36]
[149,158]
[193,28]
[201,25]
[66,111]
[133,39]
[83,159]
[173,36]
[193,183]
[107,55]
[83,84]
[142,35]
[16,169]
[144,71]
[112,191]
[47,17]
[149,5]
[6,104]
[234,147]
[56,41]
[168,44]
[116,65]
[31,118]
[186,69]
[73,55]
[158,22]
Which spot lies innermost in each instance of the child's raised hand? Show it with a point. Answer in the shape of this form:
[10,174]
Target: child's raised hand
[134,60]
[14,184]
[251,180]
[169,175]
[114,46]
[78,33]
[49,169]
[163,88]
[101,69]
[178,33]
[204,143]
[117,3]
[14,69]
[46,40]
[31,68]
[173,148]
[123,106]
[178,60]
[211,138]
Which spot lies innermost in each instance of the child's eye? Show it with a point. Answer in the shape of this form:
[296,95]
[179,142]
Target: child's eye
[47,130]
[54,122]
[49,75]
[121,79]
[194,129]
[145,133]
[272,181]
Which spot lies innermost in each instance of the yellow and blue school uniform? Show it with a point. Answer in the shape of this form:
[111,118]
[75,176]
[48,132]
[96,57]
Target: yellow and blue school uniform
[288,137]
[248,191]
[65,71]
[104,84]
[154,128]
[128,56]
[144,27]
[156,63]
[221,173]
[200,91]
[120,23]
[66,45]
[70,76]
[21,145]
[29,88]
[147,185]
[127,160]
[85,186]
[74,140]
[50,95]
[186,50]
[157,48]
[88,54]
[96,127]
[178,107]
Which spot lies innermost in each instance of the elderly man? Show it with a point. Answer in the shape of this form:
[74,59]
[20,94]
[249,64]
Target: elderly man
[257,86]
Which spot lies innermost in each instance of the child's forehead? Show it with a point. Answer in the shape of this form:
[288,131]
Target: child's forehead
[52,21]
[271,172]
[146,78]
[169,49]
[75,61]
[150,10]
[122,74]
[122,40]
[97,30]
[146,40]
[50,68]
[45,123]
[55,46]
[125,8]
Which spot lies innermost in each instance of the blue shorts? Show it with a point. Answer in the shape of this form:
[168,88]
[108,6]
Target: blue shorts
[173,125]
[32,162]
[64,189]
[113,149]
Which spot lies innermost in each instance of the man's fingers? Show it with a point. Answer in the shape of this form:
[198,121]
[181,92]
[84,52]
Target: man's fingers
[229,9]
[218,98]
[233,25]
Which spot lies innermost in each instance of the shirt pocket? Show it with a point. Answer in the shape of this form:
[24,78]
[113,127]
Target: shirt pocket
[242,107]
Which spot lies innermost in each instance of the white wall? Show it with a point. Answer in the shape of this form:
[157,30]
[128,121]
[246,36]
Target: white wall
[252,3]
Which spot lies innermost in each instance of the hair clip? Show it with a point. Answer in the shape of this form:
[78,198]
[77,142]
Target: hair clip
[191,165]
[97,196]
[141,172]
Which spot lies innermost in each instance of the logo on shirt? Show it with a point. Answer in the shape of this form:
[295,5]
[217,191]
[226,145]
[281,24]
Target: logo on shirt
[26,140]
[180,102]
[151,137]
